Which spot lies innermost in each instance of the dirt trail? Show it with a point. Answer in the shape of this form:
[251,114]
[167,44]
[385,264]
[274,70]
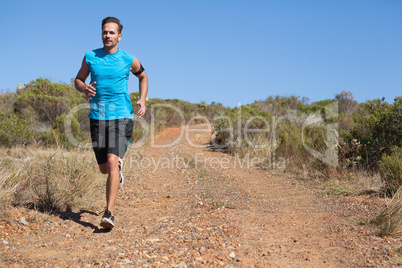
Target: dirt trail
[188,206]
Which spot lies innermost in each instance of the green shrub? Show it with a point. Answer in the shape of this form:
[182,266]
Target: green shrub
[48,100]
[15,128]
[283,135]
[279,106]
[299,160]
[231,127]
[7,100]
[378,129]
[290,143]
[164,113]
[57,135]
[391,171]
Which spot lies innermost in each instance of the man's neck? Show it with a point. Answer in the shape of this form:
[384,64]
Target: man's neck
[110,50]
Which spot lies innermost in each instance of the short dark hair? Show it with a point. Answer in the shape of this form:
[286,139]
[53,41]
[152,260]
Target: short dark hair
[112,19]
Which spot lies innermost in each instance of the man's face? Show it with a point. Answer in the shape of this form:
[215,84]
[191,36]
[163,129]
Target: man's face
[110,35]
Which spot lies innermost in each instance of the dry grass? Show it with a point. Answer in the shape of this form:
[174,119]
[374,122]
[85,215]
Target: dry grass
[340,189]
[60,181]
[48,179]
[357,182]
[365,181]
[389,219]
[10,181]
[214,190]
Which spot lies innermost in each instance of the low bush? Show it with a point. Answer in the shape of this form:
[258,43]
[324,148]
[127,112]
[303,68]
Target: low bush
[15,128]
[58,136]
[391,171]
[62,181]
[378,129]
[48,100]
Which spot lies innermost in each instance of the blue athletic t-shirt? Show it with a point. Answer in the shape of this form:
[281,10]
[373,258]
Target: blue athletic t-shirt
[111,73]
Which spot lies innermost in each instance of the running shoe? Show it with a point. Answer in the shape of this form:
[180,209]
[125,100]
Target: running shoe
[121,173]
[107,221]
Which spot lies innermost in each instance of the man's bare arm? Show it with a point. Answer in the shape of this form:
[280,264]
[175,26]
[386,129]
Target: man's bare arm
[143,85]
[79,82]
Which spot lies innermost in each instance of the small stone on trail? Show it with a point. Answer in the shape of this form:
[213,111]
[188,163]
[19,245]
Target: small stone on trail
[181,265]
[23,221]
[232,255]
[5,242]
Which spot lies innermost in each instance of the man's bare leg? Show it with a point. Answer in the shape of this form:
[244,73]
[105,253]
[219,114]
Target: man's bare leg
[113,180]
[111,167]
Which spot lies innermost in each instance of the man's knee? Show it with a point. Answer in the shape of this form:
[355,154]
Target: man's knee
[103,168]
[112,162]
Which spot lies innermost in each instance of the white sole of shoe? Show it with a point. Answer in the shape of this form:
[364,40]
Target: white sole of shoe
[106,223]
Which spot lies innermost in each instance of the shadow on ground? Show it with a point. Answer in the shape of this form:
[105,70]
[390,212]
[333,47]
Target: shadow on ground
[68,214]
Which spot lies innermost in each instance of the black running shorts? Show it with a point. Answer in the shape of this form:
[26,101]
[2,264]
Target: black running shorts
[110,137]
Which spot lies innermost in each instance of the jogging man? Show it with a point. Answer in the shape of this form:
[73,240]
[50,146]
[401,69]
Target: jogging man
[111,111]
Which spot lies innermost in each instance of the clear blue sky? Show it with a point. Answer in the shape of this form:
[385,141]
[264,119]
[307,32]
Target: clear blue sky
[216,50]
